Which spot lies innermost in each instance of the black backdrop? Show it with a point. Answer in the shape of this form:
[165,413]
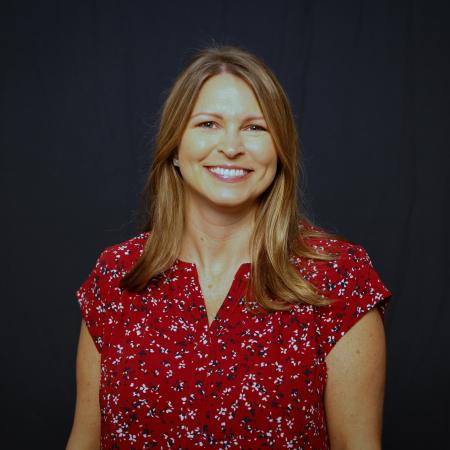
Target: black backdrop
[82,82]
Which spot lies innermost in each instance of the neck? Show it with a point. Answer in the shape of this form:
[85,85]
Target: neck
[215,238]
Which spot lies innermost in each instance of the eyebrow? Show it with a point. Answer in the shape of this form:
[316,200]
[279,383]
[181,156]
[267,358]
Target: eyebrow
[221,117]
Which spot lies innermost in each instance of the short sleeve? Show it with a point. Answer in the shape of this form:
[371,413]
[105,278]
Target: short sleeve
[353,281]
[92,298]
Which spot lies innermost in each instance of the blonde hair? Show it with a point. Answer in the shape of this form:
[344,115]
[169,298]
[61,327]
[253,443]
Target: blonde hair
[280,229]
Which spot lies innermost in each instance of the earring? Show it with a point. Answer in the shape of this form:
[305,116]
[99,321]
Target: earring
[176,162]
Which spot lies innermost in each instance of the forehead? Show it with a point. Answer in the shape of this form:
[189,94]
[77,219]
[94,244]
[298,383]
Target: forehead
[226,93]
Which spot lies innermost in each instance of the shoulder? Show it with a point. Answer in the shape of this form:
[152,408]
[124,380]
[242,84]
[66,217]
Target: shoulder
[323,241]
[349,280]
[343,251]
[121,256]
[349,270]
[100,296]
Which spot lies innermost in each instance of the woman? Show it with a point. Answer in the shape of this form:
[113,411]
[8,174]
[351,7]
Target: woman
[230,321]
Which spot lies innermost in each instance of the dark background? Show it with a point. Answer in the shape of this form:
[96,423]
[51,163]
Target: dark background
[82,83]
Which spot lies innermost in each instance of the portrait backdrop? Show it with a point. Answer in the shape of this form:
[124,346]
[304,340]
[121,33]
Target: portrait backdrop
[82,85]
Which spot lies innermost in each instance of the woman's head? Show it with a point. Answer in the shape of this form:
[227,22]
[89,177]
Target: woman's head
[226,156]
[220,68]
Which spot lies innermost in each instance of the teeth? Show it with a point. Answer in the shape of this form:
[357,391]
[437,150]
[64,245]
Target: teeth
[228,172]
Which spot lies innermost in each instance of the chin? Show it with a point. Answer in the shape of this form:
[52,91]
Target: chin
[232,202]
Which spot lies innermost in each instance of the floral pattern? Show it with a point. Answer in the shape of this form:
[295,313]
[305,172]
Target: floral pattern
[169,380]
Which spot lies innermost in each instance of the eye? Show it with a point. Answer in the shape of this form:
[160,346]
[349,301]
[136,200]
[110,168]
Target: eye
[254,127]
[207,124]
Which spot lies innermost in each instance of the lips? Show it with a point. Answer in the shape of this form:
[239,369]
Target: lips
[229,174]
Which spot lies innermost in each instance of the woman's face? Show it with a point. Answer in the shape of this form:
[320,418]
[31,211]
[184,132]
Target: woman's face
[227,156]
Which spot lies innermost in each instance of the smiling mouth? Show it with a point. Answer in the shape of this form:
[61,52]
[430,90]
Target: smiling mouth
[232,174]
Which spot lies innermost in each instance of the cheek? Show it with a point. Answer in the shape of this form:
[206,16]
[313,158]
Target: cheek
[263,151]
[267,160]
[194,146]
[271,172]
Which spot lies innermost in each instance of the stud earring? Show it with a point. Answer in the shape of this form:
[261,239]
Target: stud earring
[176,162]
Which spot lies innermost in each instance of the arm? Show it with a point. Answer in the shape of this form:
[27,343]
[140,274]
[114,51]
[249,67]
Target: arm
[85,434]
[354,393]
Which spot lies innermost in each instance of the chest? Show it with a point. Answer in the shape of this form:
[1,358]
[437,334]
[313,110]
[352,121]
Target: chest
[213,290]
[166,364]
[168,336]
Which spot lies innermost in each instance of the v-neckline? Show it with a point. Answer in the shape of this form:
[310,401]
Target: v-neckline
[223,306]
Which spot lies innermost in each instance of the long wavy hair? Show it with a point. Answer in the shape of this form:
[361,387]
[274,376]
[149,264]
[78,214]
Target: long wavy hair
[280,230]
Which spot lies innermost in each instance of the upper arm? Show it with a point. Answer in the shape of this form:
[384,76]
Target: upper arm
[354,392]
[85,434]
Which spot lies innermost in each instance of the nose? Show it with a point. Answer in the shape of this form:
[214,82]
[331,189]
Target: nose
[231,144]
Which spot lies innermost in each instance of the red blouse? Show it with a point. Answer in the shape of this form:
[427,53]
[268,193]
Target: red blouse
[171,381]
